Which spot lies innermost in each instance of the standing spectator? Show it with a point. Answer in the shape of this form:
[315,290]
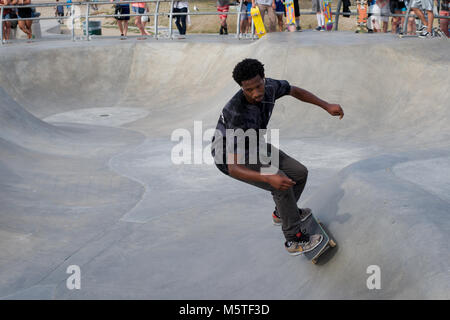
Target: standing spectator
[6,27]
[244,23]
[427,26]
[146,19]
[317,7]
[280,11]
[370,18]
[180,22]
[59,11]
[411,25]
[69,8]
[380,10]
[297,15]
[269,7]
[23,13]
[346,9]
[444,12]
[223,6]
[121,11]
[249,15]
[139,8]
[397,7]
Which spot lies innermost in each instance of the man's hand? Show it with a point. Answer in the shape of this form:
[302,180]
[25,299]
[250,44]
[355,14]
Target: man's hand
[334,110]
[280,182]
[274,6]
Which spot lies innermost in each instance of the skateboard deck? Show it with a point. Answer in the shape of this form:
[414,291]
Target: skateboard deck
[362,16]
[327,15]
[257,21]
[290,15]
[314,226]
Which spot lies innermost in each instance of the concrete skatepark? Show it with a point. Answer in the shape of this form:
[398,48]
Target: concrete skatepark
[87,177]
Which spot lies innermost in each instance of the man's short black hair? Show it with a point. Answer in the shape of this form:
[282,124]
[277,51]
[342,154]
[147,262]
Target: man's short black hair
[247,69]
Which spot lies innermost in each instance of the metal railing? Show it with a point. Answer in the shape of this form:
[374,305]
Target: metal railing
[156,15]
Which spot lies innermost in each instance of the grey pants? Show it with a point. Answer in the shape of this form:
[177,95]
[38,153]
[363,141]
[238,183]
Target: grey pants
[286,201]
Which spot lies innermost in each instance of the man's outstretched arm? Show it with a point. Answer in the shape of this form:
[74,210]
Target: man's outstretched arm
[306,96]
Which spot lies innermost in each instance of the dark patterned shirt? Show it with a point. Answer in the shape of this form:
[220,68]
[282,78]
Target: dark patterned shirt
[238,113]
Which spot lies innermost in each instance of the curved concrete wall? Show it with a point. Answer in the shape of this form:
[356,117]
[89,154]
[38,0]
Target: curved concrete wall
[105,196]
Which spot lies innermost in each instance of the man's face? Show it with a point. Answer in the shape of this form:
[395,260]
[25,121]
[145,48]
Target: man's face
[253,89]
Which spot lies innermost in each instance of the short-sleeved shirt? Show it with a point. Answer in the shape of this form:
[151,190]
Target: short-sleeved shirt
[238,113]
[264,2]
[5,11]
[223,3]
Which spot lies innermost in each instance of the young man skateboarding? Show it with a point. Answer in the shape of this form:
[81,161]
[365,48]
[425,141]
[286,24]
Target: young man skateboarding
[250,110]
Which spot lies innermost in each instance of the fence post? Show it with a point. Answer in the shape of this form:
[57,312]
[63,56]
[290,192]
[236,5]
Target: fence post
[170,19]
[338,12]
[238,25]
[73,21]
[87,20]
[156,20]
[1,24]
[405,23]
[253,28]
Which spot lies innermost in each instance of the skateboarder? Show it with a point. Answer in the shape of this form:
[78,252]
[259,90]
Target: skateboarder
[251,108]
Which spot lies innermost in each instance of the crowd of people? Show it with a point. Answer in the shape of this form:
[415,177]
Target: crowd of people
[22,13]
[273,10]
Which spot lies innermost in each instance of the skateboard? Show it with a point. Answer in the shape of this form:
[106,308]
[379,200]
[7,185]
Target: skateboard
[313,226]
[290,15]
[327,14]
[257,20]
[362,16]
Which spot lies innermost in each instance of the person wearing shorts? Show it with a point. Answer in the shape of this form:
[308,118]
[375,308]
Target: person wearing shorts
[249,15]
[6,27]
[444,12]
[397,7]
[380,10]
[279,10]
[317,7]
[417,6]
[223,6]
[120,12]
[244,18]
[139,8]
[25,25]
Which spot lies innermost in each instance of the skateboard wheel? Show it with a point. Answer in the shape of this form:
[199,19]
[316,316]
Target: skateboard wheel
[314,261]
[332,243]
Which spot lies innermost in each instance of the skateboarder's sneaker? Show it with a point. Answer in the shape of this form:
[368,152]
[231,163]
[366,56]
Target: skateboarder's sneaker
[304,243]
[319,28]
[421,29]
[304,214]
[425,34]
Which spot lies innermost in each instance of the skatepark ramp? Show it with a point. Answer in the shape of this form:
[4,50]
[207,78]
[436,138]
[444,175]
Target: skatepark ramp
[87,177]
